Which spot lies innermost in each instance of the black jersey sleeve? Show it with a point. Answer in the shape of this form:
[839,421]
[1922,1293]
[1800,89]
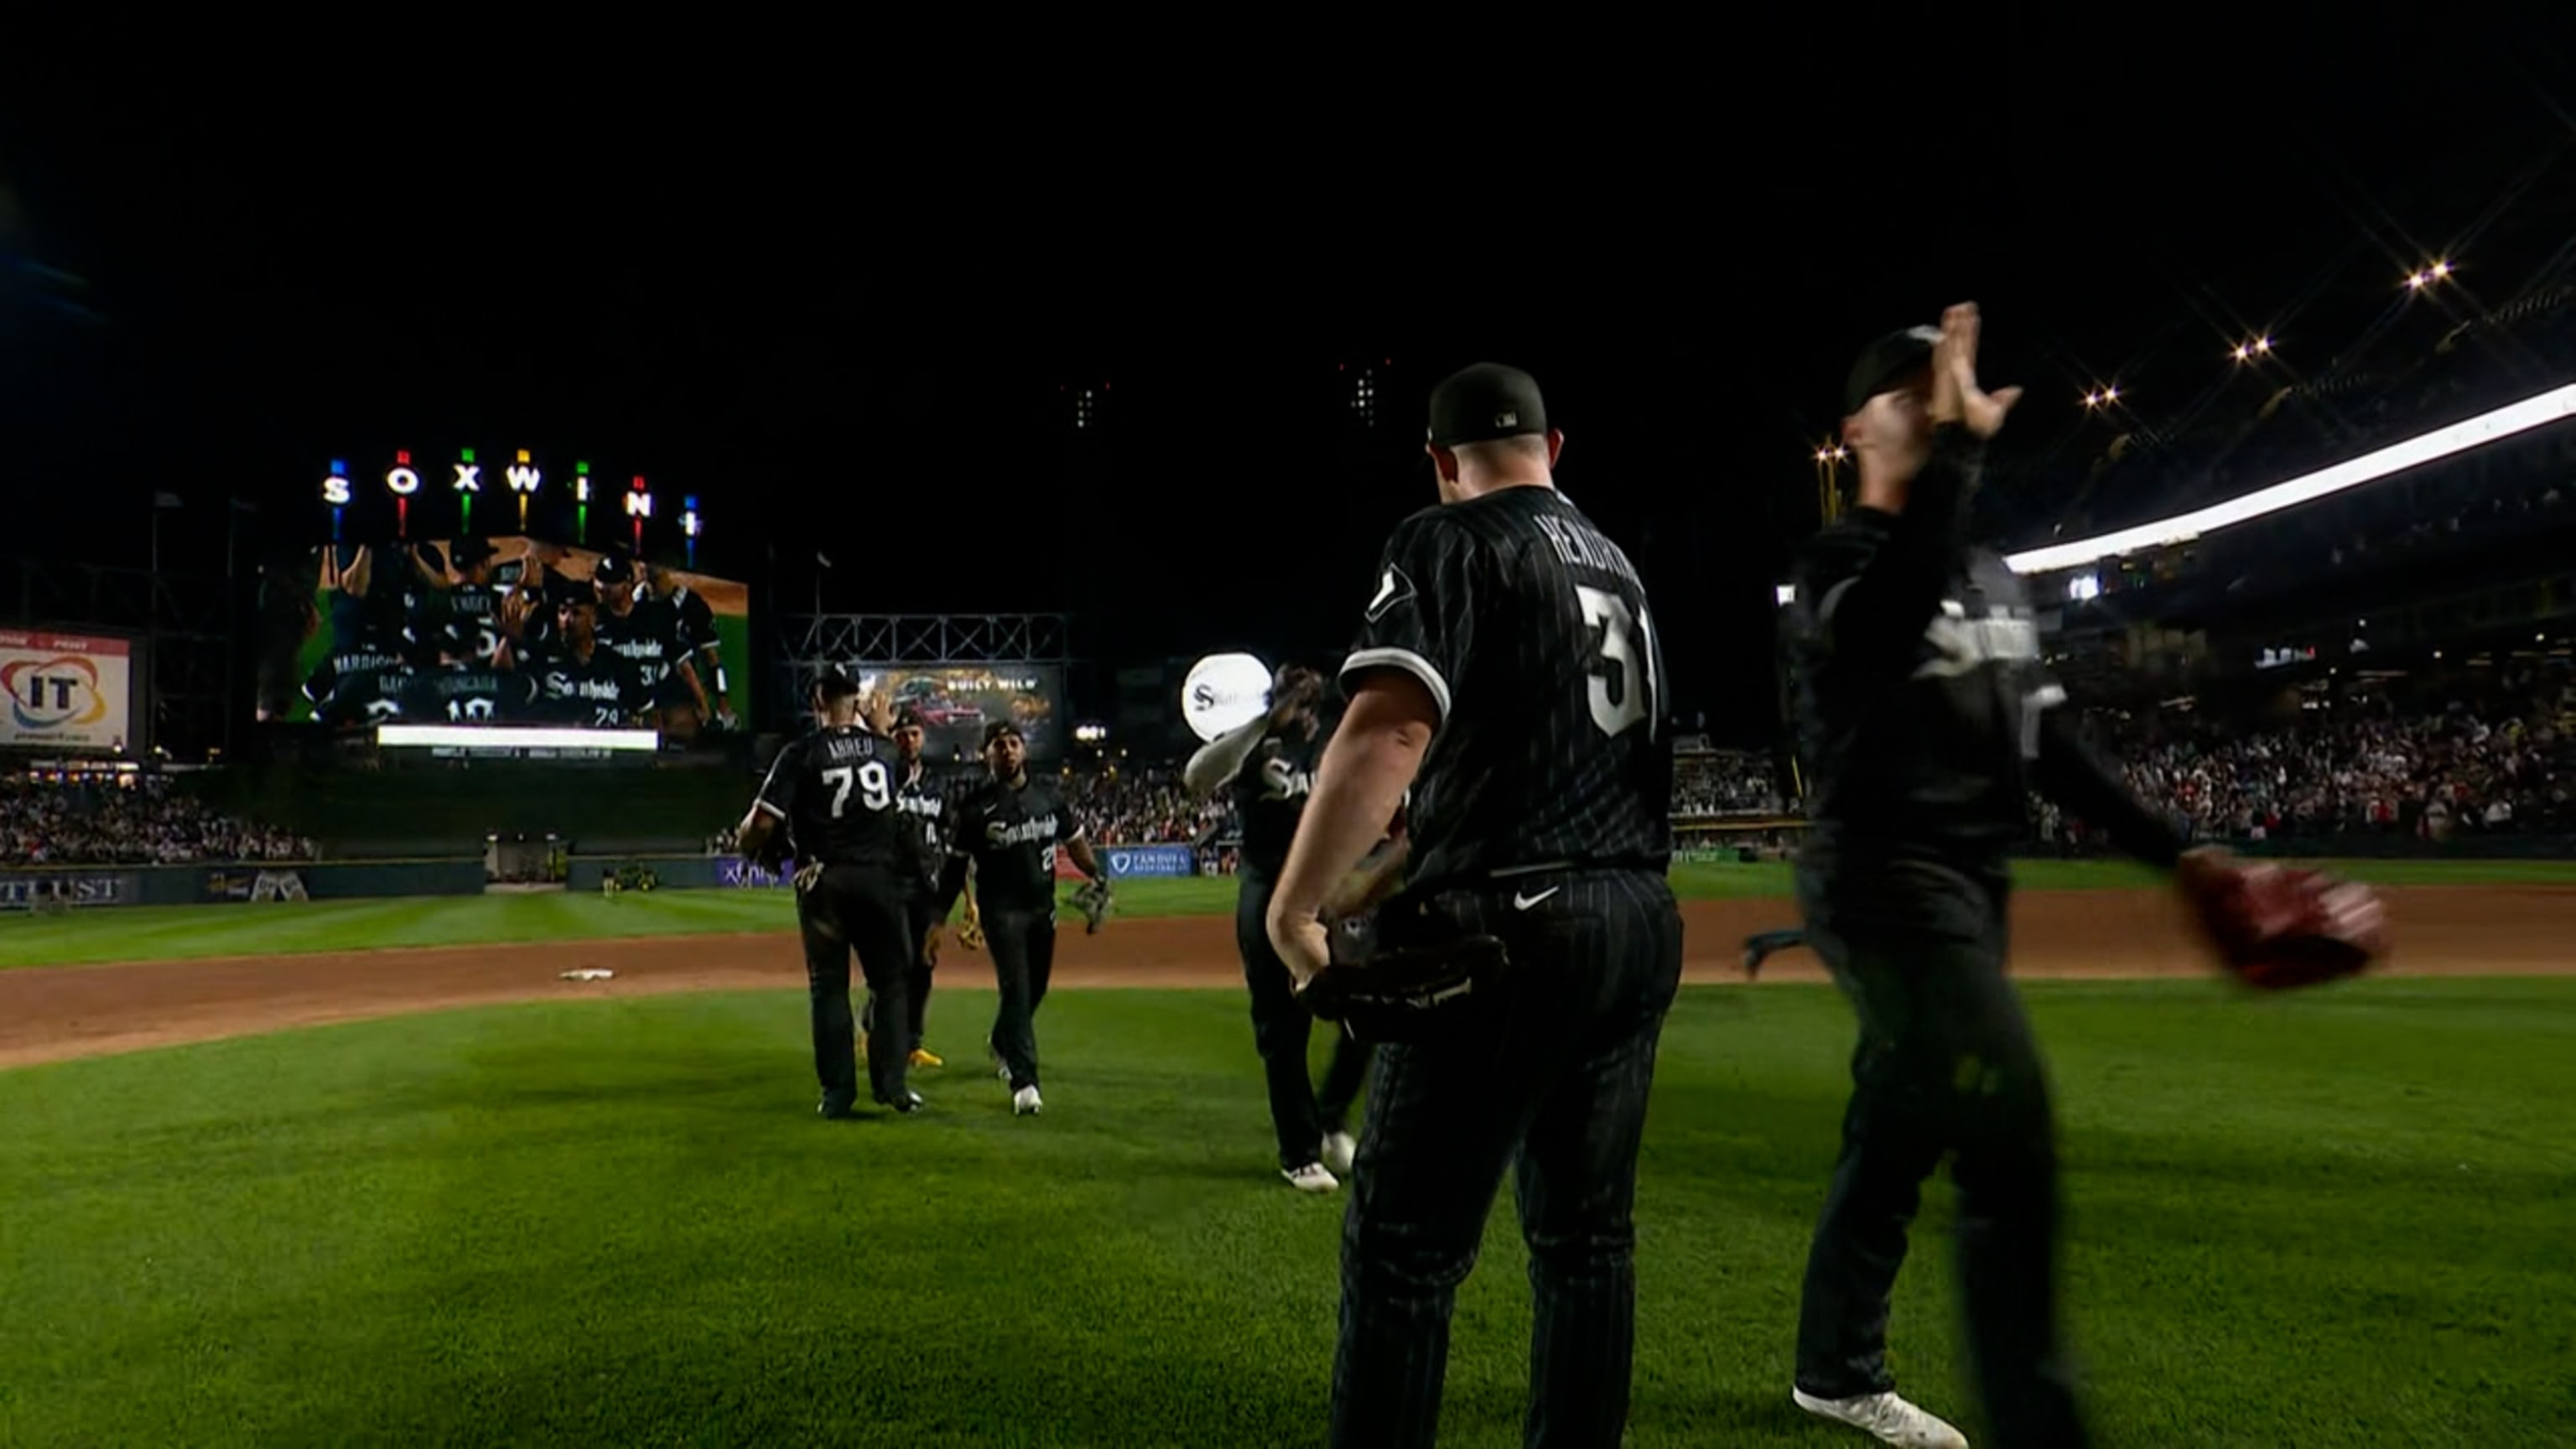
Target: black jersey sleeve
[1870,584]
[2069,771]
[1421,620]
[1068,827]
[778,792]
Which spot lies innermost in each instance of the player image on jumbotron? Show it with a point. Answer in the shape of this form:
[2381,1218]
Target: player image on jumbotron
[504,631]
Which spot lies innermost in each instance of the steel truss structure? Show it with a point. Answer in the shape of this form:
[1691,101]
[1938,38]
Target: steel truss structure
[813,641]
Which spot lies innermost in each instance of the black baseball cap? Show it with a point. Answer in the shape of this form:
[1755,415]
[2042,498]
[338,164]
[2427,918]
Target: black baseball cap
[614,569]
[1486,402]
[908,719]
[999,728]
[835,683]
[1887,362]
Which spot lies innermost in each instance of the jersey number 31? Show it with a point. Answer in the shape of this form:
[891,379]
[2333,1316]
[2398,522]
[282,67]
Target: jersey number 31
[1627,650]
[874,785]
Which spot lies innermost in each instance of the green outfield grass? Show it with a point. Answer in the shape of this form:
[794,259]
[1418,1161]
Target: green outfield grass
[184,932]
[2325,1221]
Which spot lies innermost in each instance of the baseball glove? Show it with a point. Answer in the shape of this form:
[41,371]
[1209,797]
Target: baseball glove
[970,933]
[2276,928]
[1092,898]
[1398,995]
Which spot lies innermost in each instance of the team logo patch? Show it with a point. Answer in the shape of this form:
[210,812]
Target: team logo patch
[1393,588]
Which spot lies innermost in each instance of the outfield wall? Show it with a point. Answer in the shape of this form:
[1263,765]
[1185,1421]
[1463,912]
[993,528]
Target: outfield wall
[190,885]
[714,872]
[1725,840]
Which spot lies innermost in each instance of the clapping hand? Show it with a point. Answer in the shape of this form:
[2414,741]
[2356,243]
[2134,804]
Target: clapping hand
[1956,398]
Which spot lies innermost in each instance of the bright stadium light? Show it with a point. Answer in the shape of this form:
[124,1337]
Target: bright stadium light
[2554,406]
[2083,587]
[1785,595]
[514,737]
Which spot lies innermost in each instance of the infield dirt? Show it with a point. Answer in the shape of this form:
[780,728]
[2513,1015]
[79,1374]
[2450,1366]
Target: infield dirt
[53,1013]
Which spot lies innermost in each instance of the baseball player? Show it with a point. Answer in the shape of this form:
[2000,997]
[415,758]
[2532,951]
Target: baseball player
[1008,828]
[1507,671]
[834,792]
[919,796]
[705,685]
[646,633]
[1269,765]
[579,681]
[1923,716]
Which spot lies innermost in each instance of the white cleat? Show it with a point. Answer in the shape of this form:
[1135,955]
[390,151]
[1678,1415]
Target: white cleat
[1340,1151]
[1891,1419]
[1312,1178]
[1025,1102]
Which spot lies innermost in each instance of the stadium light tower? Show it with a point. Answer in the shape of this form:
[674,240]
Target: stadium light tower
[2248,351]
[2418,280]
[1829,496]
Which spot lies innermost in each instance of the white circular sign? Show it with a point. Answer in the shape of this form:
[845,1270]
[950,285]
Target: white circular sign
[1224,692]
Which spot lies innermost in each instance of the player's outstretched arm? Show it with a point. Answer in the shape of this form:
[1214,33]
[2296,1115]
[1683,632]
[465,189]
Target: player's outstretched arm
[2088,787]
[1220,759]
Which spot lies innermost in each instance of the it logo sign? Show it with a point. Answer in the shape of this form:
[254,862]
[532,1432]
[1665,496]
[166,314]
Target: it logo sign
[52,694]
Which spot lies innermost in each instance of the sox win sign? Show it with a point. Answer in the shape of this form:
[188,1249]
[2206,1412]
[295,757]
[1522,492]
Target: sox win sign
[403,482]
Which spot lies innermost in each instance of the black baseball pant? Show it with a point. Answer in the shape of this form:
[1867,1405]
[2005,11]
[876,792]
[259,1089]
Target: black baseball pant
[1945,1065]
[1022,941]
[1281,1028]
[854,908]
[918,917]
[1552,1070]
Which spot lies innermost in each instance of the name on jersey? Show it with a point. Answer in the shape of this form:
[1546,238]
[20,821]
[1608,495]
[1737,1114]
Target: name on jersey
[1037,831]
[359,661]
[1282,781]
[571,686]
[848,747]
[1582,548]
[1961,644]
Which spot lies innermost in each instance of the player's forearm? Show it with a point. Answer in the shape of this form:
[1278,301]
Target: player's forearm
[1376,878]
[2089,788]
[1219,759]
[1889,598]
[952,879]
[1083,858]
[1359,784]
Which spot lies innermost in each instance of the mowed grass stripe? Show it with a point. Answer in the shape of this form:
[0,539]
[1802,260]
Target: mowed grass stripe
[194,932]
[616,1221]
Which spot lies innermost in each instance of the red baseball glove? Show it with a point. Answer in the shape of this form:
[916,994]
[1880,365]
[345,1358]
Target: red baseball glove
[2278,927]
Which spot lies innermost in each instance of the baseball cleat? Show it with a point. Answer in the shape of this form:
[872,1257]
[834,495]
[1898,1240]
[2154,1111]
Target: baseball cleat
[1025,1103]
[834,1111]
[921,1058]
[1340,1151]
[1311,1178]
[1889,1418]
[1753,961]
[905,1105]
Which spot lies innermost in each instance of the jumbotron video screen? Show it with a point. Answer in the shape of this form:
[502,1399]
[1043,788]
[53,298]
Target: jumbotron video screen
[501,631]
[956,701]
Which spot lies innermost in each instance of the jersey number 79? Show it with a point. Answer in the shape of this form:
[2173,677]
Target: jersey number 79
[874,786]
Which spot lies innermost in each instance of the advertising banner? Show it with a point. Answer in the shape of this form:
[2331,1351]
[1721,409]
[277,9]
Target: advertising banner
[65,691]
[29,891]
[1163,862]
[734,872]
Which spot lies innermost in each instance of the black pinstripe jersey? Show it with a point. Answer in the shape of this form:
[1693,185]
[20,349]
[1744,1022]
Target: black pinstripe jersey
[835,789]
[1532,632]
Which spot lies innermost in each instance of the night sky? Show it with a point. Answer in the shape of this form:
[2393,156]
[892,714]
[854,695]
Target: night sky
[848,327]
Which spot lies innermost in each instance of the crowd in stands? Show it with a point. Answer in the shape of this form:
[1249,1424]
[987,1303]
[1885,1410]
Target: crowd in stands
[143,822]
[1725,782]
[2466,768]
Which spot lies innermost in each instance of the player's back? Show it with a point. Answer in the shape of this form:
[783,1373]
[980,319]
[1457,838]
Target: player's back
[844,810]
[1551,752]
